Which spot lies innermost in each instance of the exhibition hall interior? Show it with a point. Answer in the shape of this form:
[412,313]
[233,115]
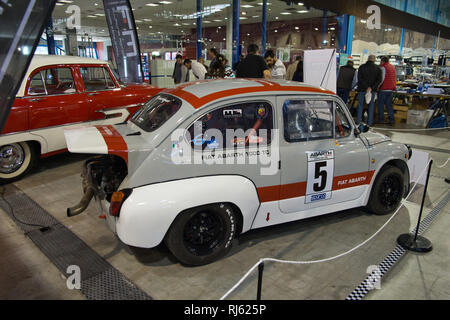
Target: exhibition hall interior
[229,150]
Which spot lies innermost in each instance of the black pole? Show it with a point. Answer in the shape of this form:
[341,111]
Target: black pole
[416,242]
[260,277]
[423,201]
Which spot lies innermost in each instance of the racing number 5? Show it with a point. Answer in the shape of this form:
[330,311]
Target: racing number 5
[318,173]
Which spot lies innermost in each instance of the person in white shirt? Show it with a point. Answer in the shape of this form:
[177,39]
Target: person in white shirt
[278,68]
[198,70]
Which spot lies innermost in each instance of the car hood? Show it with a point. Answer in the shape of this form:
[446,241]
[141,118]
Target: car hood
[373,137]
[125,141]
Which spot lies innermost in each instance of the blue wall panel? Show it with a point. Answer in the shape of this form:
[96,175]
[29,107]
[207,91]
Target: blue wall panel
[423,8]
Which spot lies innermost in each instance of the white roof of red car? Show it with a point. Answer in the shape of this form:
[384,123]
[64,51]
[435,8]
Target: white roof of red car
[40,60]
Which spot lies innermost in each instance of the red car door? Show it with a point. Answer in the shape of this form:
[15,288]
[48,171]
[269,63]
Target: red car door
[55,99]
[105,97]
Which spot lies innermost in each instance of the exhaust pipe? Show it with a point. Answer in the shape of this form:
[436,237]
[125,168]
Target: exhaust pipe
[82,205]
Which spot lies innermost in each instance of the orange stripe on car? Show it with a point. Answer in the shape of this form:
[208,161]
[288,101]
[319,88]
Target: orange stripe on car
[267,86]
[298,189]
[114,141]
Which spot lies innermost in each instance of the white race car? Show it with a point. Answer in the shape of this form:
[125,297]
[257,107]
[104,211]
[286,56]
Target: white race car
[200,164]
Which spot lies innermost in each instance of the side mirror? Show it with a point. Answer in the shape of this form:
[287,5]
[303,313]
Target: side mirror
[363,127]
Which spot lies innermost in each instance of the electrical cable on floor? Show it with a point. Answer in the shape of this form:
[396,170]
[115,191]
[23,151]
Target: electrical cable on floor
[330,258]
[11,211]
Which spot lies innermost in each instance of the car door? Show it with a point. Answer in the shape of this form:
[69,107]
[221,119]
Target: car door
[314,161]
[55,102]
[103,95]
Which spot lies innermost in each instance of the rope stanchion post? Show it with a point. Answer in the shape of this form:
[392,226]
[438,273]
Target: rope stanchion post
[415,242]
[260,278]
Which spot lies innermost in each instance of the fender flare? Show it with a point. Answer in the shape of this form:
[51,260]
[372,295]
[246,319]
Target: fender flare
[404,167]
[147,214]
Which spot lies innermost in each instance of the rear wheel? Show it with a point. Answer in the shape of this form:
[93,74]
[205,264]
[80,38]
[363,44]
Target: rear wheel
[16,160]
[202,235]
[387,191]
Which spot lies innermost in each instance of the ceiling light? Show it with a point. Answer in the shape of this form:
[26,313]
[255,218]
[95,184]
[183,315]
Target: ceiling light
[300,3]
[218,20]
[206,21]
[165,2]
[243,18]
[177,24]
[260,3]
[138,21]
[302,11]
[276,30]
[363,21]
[255,16]
[147,19]
[296,28]
[317,29]
[59,4]
[244,13]
[276,18]
[247,6]
[152,4]
[285,13]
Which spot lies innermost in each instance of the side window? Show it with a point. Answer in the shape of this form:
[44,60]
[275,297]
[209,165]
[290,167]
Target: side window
[37,87]
[58,80]
[306,120]
[239,125]
[342,125]
[96,78]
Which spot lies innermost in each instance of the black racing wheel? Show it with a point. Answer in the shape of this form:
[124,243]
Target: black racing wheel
[201,235]
[387,191]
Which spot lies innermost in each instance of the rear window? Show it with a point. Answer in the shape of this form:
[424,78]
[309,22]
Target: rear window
[156,112]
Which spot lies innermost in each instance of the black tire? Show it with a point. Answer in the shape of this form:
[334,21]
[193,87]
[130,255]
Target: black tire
[202,235]
[16,160]
[387,191]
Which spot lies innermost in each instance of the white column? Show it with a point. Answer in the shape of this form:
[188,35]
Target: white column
[229,43]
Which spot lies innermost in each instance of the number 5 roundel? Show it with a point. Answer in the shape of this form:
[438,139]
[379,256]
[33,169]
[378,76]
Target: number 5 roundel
[320,175]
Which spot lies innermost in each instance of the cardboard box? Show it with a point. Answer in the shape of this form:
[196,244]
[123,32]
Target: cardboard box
[419,118]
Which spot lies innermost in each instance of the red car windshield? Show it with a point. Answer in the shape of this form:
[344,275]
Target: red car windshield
[156,112]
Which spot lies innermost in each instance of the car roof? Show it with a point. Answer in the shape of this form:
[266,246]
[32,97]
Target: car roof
[42,60]
[200,93]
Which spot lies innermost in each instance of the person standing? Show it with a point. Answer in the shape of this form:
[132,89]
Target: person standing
[388,85]
[176,75]
[292,68]
[278,68]
[369,79]
[253,65]
[345,80]
[298,74]
[212,55]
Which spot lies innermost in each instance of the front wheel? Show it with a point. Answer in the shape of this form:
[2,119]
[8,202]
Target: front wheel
[387,191]
[16,159]
[202,235]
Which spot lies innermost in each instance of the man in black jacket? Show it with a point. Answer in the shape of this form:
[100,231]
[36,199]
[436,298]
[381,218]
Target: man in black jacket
[369,79]
[345,80]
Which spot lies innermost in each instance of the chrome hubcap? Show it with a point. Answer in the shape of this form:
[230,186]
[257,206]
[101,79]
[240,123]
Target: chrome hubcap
[12,157]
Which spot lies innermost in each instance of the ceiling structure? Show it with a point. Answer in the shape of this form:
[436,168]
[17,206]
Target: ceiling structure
[178,17]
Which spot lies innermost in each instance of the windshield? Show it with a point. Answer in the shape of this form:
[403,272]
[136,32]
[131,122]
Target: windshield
[156,112]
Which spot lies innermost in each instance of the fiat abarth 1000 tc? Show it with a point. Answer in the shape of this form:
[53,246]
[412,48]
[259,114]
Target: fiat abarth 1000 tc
[203,162]
[60,92]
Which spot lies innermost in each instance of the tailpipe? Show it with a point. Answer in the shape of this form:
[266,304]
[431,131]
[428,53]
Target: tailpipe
[82,205]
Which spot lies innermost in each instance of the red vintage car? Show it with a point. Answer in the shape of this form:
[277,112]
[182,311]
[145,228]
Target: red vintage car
[60,92]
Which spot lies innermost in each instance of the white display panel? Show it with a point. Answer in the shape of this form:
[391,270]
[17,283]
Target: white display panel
[319,68]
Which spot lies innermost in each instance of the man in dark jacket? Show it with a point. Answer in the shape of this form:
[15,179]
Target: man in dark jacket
[253,65]
[176,75]
[345,80]
[369,79]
